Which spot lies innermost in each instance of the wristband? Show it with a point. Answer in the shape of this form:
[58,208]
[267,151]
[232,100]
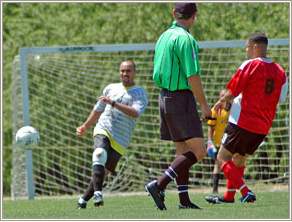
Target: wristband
[113,103]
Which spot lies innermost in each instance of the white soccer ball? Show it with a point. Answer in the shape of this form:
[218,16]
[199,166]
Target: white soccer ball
[27,137]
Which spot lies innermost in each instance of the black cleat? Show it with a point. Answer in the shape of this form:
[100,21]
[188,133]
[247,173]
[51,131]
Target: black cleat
[98,200]
[249,197]
[189,206]
[217,200]
[156,194]
[81,205]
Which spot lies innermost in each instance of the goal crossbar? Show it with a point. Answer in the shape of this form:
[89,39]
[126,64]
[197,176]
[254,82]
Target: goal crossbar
[25,52]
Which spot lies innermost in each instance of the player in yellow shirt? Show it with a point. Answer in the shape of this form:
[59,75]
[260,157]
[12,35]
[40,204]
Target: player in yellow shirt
[215,132]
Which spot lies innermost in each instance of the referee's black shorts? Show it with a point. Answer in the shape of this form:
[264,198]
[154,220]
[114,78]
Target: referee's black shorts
[238,140]
[179,118]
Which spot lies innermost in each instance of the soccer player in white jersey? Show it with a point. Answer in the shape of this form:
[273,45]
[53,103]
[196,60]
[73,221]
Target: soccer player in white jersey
[116,111]
[257,87]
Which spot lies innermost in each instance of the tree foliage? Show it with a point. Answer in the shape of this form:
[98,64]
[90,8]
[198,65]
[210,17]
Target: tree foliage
[64,24]
[60,24]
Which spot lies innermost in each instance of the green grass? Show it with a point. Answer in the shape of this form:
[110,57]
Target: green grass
[271,205]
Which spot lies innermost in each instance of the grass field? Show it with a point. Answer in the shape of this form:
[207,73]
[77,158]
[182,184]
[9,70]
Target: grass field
[269,204]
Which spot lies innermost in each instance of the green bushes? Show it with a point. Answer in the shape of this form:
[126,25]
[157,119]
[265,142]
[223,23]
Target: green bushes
[64,24]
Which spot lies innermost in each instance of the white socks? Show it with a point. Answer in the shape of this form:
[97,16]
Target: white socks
[81,200]
[98,192]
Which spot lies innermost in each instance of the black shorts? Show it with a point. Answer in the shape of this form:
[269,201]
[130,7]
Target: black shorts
[179,118]
[113,157]
[238,140]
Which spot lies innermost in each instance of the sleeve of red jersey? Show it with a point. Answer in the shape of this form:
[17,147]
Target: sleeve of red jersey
[238,81]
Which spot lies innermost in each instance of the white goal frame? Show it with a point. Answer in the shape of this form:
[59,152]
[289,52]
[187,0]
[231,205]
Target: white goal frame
[25,51]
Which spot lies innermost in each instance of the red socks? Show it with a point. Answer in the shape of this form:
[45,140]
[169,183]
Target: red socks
[231,189]
[234,176]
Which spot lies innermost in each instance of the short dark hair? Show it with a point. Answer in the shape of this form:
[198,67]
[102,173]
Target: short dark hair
[258,38]
[132,62]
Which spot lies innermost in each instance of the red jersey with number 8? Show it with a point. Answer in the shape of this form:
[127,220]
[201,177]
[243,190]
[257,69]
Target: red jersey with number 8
[257,87]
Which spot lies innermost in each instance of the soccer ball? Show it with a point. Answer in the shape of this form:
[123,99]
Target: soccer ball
[27,137]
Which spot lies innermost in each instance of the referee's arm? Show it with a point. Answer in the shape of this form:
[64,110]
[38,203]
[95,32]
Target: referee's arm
[197,89]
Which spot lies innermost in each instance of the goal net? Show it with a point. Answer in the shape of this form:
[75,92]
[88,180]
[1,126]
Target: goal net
[63,84]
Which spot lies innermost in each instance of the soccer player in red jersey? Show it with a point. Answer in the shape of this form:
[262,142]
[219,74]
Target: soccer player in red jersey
[256,88]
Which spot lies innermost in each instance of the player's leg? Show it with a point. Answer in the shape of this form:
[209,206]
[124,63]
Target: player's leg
[95,186]
[240,162]
[182,181]
[231,188]
[216,172]
[216,175]
[99,160]
[179,123]
[185,128]
[179,168]
[183,161]
[242,143]
[82,202]
[222,157]
[89,192]
[234,175]
[230,170]
[183,178]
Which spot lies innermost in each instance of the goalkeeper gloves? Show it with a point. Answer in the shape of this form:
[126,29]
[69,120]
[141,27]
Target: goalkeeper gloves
[211,149]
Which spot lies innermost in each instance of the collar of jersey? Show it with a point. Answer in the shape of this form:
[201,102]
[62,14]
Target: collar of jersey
[178,24]
[264,59]
[129,87]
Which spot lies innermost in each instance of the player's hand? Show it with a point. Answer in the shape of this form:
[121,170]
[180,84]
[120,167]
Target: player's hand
[219,106]
[206,113]
[105,99]
[211,150]
[80,130]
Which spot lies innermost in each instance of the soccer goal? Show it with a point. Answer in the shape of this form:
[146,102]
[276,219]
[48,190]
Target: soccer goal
[55,88]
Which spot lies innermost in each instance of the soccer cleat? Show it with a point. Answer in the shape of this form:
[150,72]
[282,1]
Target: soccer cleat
[156,194]
[189,206]
[217,200]
[97,200]
[81,205]
[249,197]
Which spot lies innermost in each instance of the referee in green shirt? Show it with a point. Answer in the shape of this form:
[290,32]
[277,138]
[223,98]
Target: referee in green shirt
[177,72]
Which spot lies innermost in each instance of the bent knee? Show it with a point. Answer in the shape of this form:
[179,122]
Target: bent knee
[99,157]
[200,153]
[203,154]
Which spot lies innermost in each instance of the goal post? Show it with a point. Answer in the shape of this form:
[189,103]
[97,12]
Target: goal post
[55,88]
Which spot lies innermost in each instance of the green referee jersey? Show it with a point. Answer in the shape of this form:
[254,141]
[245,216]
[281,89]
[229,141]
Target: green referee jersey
[176,58]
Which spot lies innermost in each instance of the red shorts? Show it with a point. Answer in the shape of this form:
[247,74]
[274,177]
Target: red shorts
[238,140]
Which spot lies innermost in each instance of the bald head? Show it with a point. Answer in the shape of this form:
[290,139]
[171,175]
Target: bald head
[128,72]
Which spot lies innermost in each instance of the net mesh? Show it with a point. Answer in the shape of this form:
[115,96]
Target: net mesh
[63,87]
